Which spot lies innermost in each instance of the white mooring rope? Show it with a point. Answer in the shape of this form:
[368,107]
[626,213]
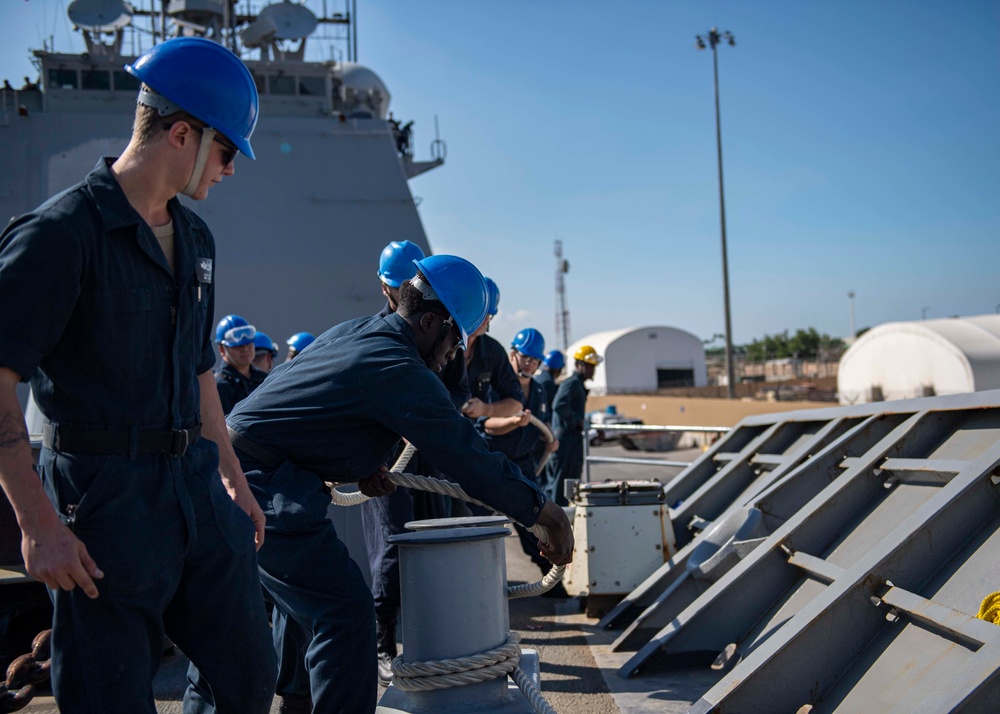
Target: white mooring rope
[486,666]
[462,671]
[424,483]
[549,438]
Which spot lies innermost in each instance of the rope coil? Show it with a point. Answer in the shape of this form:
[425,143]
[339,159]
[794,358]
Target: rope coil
[457,672]
[463,671]
[990,608]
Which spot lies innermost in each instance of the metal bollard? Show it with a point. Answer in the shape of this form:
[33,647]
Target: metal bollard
[453,582]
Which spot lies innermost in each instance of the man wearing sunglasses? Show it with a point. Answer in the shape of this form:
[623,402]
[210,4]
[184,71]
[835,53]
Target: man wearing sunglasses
[139,518]
[336,413]
[385,517]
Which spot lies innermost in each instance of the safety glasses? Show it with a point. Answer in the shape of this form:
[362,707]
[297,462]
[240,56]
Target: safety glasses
[236,336]
[533,361]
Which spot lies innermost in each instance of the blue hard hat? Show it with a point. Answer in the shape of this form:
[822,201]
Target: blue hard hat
[234,331]
[396,263]
[530,343]
[493,293]
[300,340]
[460,287]
[261,341]
[204,79]
[555,360]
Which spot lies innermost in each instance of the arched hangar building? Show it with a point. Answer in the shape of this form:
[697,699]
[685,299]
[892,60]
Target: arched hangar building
[644,359]
[899,360]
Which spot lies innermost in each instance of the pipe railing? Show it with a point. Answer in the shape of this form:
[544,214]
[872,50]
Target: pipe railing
[634,428]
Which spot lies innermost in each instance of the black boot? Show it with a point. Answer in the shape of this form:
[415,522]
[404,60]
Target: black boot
[385,643]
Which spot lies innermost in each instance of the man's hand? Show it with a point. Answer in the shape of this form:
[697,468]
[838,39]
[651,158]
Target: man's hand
[522,419]
[58,558]
[378,484]
[242,497]
[559,549]
[554,446]
[474,408]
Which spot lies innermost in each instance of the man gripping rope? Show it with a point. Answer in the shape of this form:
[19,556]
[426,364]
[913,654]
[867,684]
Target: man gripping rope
[336,413]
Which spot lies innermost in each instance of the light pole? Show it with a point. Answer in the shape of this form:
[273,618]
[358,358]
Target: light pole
[713,38]
[850,296]
[923,312]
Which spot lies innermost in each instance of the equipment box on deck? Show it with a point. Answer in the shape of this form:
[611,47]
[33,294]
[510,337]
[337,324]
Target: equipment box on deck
[623,534]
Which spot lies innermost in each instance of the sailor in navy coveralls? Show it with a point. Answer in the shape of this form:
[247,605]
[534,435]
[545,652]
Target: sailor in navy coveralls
[569,410]
[385,517]
[336,413]
[516,436]
[134,533]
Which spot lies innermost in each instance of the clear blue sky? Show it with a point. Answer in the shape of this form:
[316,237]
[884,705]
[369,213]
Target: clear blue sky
[861,145]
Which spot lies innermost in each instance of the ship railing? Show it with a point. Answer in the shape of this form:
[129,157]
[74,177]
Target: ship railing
[588,459]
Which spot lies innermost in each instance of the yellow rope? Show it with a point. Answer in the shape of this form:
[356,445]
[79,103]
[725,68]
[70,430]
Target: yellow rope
[990,609]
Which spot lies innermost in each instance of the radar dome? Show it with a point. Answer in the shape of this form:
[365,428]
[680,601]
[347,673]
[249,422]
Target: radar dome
[362,92]
[100,15]
[291,22]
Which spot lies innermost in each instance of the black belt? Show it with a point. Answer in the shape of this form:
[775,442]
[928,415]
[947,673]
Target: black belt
[118,442]
[250,448]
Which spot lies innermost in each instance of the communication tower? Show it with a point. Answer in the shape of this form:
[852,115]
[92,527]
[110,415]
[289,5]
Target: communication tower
[562,314]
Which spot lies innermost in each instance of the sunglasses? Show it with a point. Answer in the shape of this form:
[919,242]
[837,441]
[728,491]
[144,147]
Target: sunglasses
[453,328]
[229,151]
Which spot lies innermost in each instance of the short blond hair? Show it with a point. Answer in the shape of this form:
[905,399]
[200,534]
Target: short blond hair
[149,124]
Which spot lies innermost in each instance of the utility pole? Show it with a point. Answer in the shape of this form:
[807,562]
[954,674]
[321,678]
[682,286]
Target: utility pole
[562,314]
[850,296]
[713,38]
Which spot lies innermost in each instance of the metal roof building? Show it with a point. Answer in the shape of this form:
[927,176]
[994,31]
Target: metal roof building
[644,359]
[899,360]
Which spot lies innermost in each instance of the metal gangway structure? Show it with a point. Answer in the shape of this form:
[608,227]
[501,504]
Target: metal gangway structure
[833,560]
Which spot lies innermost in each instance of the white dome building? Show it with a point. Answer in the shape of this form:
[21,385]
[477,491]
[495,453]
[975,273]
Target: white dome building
[644,359]
[899,360]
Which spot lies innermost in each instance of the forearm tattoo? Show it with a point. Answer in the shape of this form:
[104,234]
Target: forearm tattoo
[12,431]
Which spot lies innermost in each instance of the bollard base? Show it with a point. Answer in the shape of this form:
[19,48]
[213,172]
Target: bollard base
[396,701]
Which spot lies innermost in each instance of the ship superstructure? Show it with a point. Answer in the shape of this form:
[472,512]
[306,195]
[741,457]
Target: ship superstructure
[300,229]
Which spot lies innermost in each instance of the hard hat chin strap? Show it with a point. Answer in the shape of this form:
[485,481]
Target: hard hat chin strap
[207,137]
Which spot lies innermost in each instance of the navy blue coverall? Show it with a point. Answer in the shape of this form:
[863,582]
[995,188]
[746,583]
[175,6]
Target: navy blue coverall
[489,368]
[336,413]
[568,412]
[491,378]
[549,385]
[113,350]
[525,446]
[387,516]
[233,386]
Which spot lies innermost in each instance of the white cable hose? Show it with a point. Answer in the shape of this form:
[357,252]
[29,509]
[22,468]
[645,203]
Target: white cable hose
[462,671]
